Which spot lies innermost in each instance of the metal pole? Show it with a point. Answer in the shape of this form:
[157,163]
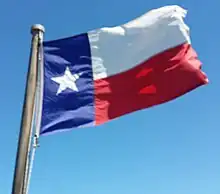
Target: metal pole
[37,120]
[27,113]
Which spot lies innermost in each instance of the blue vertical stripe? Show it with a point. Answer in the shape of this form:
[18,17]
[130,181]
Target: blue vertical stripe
[69,109]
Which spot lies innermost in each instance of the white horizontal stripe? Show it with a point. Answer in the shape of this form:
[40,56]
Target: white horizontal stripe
[117,49]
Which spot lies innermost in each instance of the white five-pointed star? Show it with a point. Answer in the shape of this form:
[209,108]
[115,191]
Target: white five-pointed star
[68,80]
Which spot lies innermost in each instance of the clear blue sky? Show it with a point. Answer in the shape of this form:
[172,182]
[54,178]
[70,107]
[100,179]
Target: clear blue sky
[170,149]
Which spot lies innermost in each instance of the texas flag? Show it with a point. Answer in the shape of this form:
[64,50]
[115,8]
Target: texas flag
[109,72]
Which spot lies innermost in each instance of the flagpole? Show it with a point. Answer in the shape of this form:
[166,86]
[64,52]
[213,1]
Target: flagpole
[37,118]
[27,113]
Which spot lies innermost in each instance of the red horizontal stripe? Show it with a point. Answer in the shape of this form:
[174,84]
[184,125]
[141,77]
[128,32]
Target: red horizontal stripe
[160,79]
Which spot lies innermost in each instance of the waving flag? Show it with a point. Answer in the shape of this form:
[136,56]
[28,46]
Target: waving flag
[105,73]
